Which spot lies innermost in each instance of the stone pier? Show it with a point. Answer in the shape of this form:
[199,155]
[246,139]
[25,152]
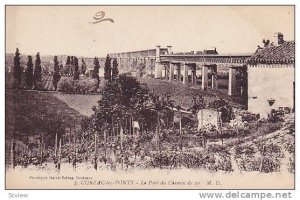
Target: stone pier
[232,81]
[193,74]
[178,72]
[204,77]
[185,73]
[171,73]
[214,77]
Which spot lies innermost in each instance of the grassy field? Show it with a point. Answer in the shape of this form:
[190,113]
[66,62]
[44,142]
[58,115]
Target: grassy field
[26,109]
[182,94]
[81,103]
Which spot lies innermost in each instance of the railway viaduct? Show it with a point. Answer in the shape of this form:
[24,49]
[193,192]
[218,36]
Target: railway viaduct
[182,66]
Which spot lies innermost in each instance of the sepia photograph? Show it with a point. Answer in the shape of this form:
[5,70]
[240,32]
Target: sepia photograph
[149,97]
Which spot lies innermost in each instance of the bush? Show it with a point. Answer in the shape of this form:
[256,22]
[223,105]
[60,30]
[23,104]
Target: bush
[249,117]
[82,86]
[249,157]
[87,86]
[65,85]
[214,158]
[269,128]
[217,158]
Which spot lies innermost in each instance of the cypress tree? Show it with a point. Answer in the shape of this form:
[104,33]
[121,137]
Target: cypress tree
[37,72]
[72,65]
[107,69]
[56,75]
[29,73]
[95,73]
[83,66]
[17,69]
[76,69]
[115,71]
[68,63]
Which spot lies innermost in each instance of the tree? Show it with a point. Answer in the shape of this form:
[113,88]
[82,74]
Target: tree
[115,71]
[72,65]
[29,73]
[37,72]
[95,73]
[266,42]
[56,75]
[122,101]
[141,69]
[76,69]
[83,66]
[17,69]
[68,66]
[107,68]
[68,62]
[160,106]
[224,107]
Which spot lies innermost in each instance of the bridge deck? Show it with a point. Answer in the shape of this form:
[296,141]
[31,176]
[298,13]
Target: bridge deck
[208,59]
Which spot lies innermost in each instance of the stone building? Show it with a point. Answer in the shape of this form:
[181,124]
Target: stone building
[271,82]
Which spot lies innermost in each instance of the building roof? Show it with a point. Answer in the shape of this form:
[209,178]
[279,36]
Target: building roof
[282,54]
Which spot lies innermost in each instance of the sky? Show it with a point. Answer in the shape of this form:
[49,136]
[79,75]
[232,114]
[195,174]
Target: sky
[67,30]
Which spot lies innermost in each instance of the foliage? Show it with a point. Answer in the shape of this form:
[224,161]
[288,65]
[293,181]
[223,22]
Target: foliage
[214,158]
[83,66]
[72,65]
[82,86]
[56,75]
[52,125]
[258,157]
[85,123]
[95,73]
[249,117]
[141,69]
[115,71]
[125,100]
[76,69]
[17,69]
[29,73]
[225,109]
[37,72]
[107,69]
[66,68]
[275,116]
[65,85]
[266,128]
[198,103]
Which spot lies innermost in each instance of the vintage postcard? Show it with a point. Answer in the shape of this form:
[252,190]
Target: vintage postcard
[149,97]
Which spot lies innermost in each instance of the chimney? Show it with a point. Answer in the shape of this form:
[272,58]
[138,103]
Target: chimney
[280,39]
[169,49]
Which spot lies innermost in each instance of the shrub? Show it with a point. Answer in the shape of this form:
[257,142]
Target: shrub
[249,157]
[65,85]
[87,85]
[218,158]
[82,86]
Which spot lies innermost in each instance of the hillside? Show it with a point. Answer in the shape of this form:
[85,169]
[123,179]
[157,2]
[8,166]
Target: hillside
[28,111]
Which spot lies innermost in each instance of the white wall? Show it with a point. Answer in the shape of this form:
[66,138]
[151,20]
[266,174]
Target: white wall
[210,117]
[270,81]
